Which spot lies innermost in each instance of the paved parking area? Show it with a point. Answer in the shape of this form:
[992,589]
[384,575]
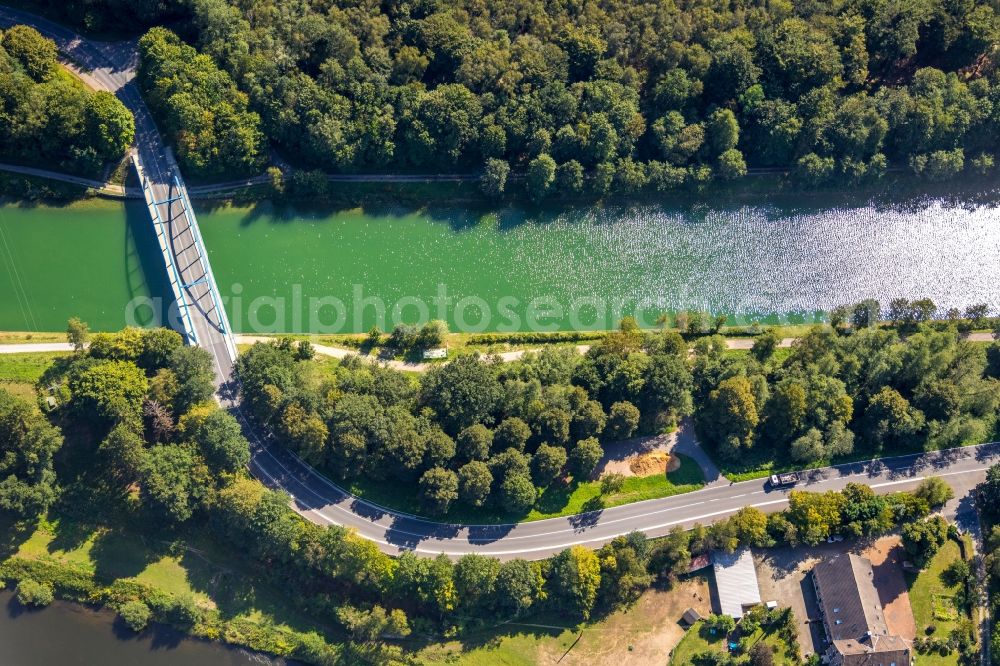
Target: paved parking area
[783,576]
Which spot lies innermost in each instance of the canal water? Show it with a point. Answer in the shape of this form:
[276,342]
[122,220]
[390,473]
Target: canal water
[508,269]
[70,635]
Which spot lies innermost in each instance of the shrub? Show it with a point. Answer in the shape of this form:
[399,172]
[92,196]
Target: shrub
[71,583]
[722,624]
[534,338]
[32,593]
[184,612]
[135,614]
[612,483]
[956,572]
[934,491]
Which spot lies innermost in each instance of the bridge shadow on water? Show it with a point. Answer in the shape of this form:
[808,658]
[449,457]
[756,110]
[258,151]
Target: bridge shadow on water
[145,272]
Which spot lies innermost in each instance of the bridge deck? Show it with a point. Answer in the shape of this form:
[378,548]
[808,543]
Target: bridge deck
[199,314]
[185,324]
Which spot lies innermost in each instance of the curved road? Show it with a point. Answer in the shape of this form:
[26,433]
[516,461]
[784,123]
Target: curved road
[323,502]
[112,67]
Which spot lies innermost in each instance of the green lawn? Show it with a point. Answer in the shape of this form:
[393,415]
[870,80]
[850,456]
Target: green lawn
[20,372]
[110,555]
[697,640]
[641,633]
[22,390]
[555,501]
[931,601]
[26,368]
[513,645]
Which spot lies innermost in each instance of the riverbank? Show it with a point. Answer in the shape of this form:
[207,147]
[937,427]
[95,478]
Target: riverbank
[355,189]
[87,635]
[24,344]
[189,583]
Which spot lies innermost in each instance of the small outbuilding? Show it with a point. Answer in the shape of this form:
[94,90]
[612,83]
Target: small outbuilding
[691,616]
[699,562]
[735,581]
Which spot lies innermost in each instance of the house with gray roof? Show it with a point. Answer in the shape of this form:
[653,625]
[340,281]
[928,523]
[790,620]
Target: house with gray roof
[735,582]
[853,616]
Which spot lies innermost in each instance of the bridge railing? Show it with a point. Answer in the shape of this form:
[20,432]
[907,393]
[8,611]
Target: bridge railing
[213,286]
[164,238]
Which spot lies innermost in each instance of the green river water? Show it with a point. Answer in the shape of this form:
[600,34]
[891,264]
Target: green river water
[528,270]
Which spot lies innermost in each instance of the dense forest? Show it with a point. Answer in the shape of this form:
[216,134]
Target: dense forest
[599,93]
[472,430]
[872,391]
[482,433]
[135,443]
[49,118]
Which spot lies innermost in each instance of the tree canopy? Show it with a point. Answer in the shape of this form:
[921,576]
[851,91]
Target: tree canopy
[28,444]
[188,478]
[635,93]
[50,119]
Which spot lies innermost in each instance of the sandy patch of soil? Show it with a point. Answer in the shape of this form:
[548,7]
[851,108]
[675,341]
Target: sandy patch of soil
[643,456]
[654,462]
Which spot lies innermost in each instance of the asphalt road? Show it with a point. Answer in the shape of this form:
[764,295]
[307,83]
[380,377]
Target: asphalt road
[323,502]
[112,67]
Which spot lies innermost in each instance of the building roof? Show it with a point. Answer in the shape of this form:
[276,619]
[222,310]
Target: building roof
[853,615]
[735,581]
[699,562]
[881,655]
[691,616]
[851,606]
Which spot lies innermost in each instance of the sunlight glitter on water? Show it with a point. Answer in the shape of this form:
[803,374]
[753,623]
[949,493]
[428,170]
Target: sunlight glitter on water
[748,261]
[765,260]
[795,255]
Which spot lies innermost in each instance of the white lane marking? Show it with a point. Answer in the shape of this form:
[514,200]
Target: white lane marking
[510,537]
[476,546]
[921,478]
[560,546]
[672,523]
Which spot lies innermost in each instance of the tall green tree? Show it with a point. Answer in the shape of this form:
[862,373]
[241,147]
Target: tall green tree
[28,444]
[574,580]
